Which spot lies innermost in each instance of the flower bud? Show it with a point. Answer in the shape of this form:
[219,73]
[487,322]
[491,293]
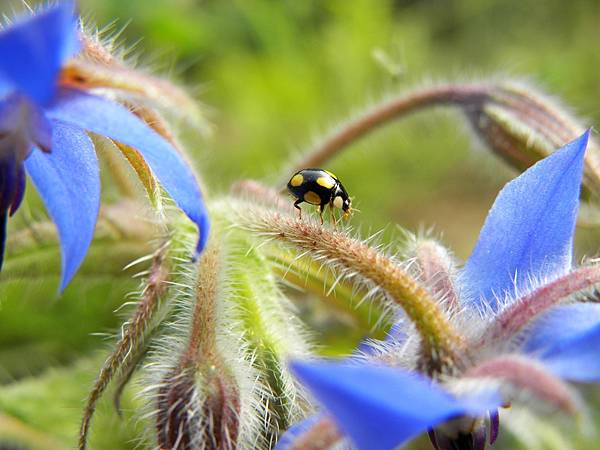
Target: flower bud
[219,376]
[522,126]
[435,267]
[198,407]
[198,401]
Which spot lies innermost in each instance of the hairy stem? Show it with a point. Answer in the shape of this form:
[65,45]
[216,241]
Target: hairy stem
[527,377]
[517,316]
[387,111]
[435,266]
[336,249]
[202,340]
[135,332]
[199,399]
[98,68]
[336,294]
[321,436]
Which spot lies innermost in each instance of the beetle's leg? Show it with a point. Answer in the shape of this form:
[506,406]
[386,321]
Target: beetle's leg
[332,215]
[321,209]
[297,206]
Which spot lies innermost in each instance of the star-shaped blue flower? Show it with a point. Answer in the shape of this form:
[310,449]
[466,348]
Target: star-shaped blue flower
[43,133]
[531,333]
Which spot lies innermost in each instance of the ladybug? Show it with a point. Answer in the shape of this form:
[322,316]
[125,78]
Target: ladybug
[319,187]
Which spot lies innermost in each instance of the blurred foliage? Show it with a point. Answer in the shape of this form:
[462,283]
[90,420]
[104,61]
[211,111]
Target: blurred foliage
[275,74]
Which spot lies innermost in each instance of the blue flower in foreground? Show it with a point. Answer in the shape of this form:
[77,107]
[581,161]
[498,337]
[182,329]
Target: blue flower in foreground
[43,133]
[526,323]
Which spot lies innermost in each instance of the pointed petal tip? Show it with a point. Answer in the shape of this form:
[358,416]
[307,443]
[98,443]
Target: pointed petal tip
[580,143]
[586,134]
[203,225]
[540,226]
[66,278]
[203,233]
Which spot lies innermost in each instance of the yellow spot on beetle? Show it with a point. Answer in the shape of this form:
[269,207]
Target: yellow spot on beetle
[312,198]
[326,182]
[297,180]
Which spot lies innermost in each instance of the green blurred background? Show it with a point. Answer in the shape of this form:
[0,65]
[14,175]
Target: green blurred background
[273,76]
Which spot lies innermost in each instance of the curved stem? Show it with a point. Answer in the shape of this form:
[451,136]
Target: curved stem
[132,335]
[386,111]
[337,295]
[526,376]
[517,316]
[440,341]
[97,67]
[321,436]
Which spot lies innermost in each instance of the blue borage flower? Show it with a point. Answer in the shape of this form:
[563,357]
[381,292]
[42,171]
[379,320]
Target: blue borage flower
[43,133]
[531,333]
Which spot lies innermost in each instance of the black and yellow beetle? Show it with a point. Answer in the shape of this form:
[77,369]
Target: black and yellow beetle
[319,187]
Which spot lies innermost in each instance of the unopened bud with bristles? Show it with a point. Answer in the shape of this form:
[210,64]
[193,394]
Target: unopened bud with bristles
[198,407]
[435,267]
[198,399]
[523,125]
[518,122]
[218,374]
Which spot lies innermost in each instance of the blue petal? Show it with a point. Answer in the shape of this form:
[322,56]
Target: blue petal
[380,407]
[69,184]
[288,439]
[398,331]
[396,335]
[116,122]
[567,341]
[33,50]
[529,230]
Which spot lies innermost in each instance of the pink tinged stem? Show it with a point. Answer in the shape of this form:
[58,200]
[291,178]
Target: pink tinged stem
[517,316]
[256,191]
[441,342]
[387,111]
[321,436]
[435,266]
[199,399]
[526,376]
[132,343]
